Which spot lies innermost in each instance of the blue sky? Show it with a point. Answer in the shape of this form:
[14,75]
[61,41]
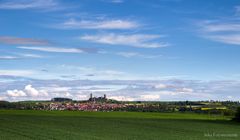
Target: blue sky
[139,43]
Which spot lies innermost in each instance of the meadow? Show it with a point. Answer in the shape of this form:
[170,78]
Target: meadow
[74,125]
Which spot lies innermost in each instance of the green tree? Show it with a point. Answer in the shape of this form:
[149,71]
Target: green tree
[237,115]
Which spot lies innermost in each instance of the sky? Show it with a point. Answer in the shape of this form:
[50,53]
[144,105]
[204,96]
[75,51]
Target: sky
[149,50]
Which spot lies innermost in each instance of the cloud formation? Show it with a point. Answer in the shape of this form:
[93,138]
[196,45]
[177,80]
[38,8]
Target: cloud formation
[78,72]
[225,38]
[98,24]
[16,93]
[221,27]
[128,90]
[134,40]
[20,56]
[29,92]
[22,41]
[114,1]
[225,30]
[28,55]
[149,97]
[136,54]
[54,49]
[28,4]
[16,72]
[8,57]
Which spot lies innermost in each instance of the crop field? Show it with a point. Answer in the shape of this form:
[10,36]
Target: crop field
[73,125]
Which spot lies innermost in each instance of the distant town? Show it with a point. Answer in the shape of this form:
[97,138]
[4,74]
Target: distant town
[105,104]
[92,104]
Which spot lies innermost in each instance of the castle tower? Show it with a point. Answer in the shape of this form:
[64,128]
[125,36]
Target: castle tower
[91,97]
[104,96]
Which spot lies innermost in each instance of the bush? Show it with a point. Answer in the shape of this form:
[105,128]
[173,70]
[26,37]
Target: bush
[228,112]
[237,115]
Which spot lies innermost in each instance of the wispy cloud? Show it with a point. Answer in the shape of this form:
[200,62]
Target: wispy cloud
[8,57]
[29,4]
[228,39]
[22,41]
[222,31]
[135,40]
[54,49]
[16,72]
[28,55]
[131,90]
[98,24]
[136,54]
[149,97]
[221,27]
[91,72]
[117,1]
[114,1]
[128,54]
[66,72]
[20,56]
[225,30]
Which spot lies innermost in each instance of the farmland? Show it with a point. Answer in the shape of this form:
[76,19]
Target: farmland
[74,125]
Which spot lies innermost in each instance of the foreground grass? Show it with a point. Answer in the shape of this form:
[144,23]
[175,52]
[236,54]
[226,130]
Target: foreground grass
[60,125]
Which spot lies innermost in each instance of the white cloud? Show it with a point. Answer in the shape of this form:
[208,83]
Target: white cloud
[223,27]
[183,90]
[160,86]
[131,54]
[31,91]
[121,98]
[2,98]
[16,72]
[111,72]
[82,97]
[149,97]
[136,54]
[28,91]
[229,97]
[165,90]
[22,41]
[128,54]
[98,24]
[28,55]
[117,1]
[226,38]
[92,72]
[114,1]
[29,4]
[135,40]
[53,49]
[8,57]
[20,56]
[55,89]
[16,93]
[68,95]
[225,30]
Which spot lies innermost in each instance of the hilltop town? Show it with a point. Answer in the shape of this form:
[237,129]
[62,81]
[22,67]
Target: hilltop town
[92,104]
[105,104]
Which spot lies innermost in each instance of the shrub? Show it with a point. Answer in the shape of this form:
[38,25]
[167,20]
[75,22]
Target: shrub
[228,112]
[237,115]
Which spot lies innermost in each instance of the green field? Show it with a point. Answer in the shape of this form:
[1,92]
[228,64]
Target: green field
[57,125]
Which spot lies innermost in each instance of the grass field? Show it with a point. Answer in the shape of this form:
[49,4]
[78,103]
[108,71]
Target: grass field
[57,125]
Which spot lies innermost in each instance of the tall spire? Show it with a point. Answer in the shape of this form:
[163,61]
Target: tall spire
[91,96]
